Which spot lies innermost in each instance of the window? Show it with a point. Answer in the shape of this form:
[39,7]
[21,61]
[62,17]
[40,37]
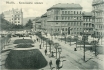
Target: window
[56,17]
[80,12]
[65,12]
[18,22]
[62,29]
[56,23]
[77,12]
[65,18]
[62,18]
[62,12]
[74,12]
[66,29]
[68,12]
[58,29]
[80,23]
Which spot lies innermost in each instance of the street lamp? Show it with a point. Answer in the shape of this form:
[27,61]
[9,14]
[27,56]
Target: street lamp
[59,50]
[56,45]
[76,38]
[84,36]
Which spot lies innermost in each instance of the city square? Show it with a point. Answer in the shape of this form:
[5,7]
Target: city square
[63,38]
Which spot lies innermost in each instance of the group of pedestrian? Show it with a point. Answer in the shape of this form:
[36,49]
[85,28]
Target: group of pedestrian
[59,64]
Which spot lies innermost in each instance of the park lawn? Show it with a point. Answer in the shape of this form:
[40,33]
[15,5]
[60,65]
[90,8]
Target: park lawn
[68,40]
[25,59]
[24,45]
[18,41]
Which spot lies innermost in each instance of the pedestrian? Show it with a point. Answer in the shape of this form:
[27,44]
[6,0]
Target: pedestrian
[37,39]
[57,63]
[40,46]
[45,52]
[52,54]
[34,40]
[50,64]
[61,64]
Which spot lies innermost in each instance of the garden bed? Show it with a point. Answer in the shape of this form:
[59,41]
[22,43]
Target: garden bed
[25,59]
[24,45]
[18,41]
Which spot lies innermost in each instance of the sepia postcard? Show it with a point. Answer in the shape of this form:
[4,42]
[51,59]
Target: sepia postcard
[51,35]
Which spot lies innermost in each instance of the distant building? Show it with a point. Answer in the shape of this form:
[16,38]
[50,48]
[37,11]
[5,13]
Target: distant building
[15,16]
[37,24]
[98,17]
[87,22]
[65,19]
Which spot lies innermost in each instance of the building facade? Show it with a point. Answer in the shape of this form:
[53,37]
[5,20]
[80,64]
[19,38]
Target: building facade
[87,22]
[98,17]
[65,19]
[15,16]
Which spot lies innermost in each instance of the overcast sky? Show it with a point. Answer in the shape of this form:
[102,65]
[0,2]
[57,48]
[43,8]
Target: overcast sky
[36,10]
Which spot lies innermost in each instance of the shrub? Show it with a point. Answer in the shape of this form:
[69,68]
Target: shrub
[24,45]
[25,59]
[18,41]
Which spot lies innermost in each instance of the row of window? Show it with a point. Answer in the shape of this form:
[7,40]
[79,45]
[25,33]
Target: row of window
[67,18]
[16,18]
[99,6]
[99,26]
[17,21]
[99,20]
[87,19]
[71,23]
[88,25]
[16,15]
[66,29]
[99,13]
[71,12]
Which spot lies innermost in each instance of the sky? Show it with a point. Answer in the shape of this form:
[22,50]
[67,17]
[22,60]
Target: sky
[36,10]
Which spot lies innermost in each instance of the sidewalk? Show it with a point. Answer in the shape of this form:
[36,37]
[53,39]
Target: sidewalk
[90,58]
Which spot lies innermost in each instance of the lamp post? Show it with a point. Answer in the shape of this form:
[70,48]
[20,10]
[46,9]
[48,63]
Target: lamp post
[84,36]
[59,50]
[95,42]
[56,47]
[65,38]
[76,38]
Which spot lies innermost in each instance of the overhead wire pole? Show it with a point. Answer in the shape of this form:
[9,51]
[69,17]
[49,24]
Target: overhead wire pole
[61,32]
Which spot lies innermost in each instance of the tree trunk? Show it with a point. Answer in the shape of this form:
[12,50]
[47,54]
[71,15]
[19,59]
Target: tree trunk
[56,53]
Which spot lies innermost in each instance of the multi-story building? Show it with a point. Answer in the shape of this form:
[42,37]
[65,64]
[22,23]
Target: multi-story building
[37,24]
[65,19]
[15,16]
[98,17]
[87,22]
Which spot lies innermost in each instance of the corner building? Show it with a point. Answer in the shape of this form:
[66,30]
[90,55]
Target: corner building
[65,19]
[98,17]
[15,16]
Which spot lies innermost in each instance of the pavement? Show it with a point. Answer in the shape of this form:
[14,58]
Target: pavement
[71,59]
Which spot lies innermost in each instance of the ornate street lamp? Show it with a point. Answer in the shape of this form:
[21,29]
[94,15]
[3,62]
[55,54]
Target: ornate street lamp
[84,36]
[56,45]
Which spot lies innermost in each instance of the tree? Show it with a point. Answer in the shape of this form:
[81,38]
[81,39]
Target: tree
[29,24]
[56,45]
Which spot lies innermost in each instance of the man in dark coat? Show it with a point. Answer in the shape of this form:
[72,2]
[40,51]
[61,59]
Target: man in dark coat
[45,51]
[57,63]
[50,64]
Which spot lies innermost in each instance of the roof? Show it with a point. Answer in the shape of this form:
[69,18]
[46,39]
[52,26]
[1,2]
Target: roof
[97,1]
[44,15]
[87,14]
[66,5]
[39,20]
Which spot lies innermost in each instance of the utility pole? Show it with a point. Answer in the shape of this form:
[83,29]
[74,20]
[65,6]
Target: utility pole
[84,48]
